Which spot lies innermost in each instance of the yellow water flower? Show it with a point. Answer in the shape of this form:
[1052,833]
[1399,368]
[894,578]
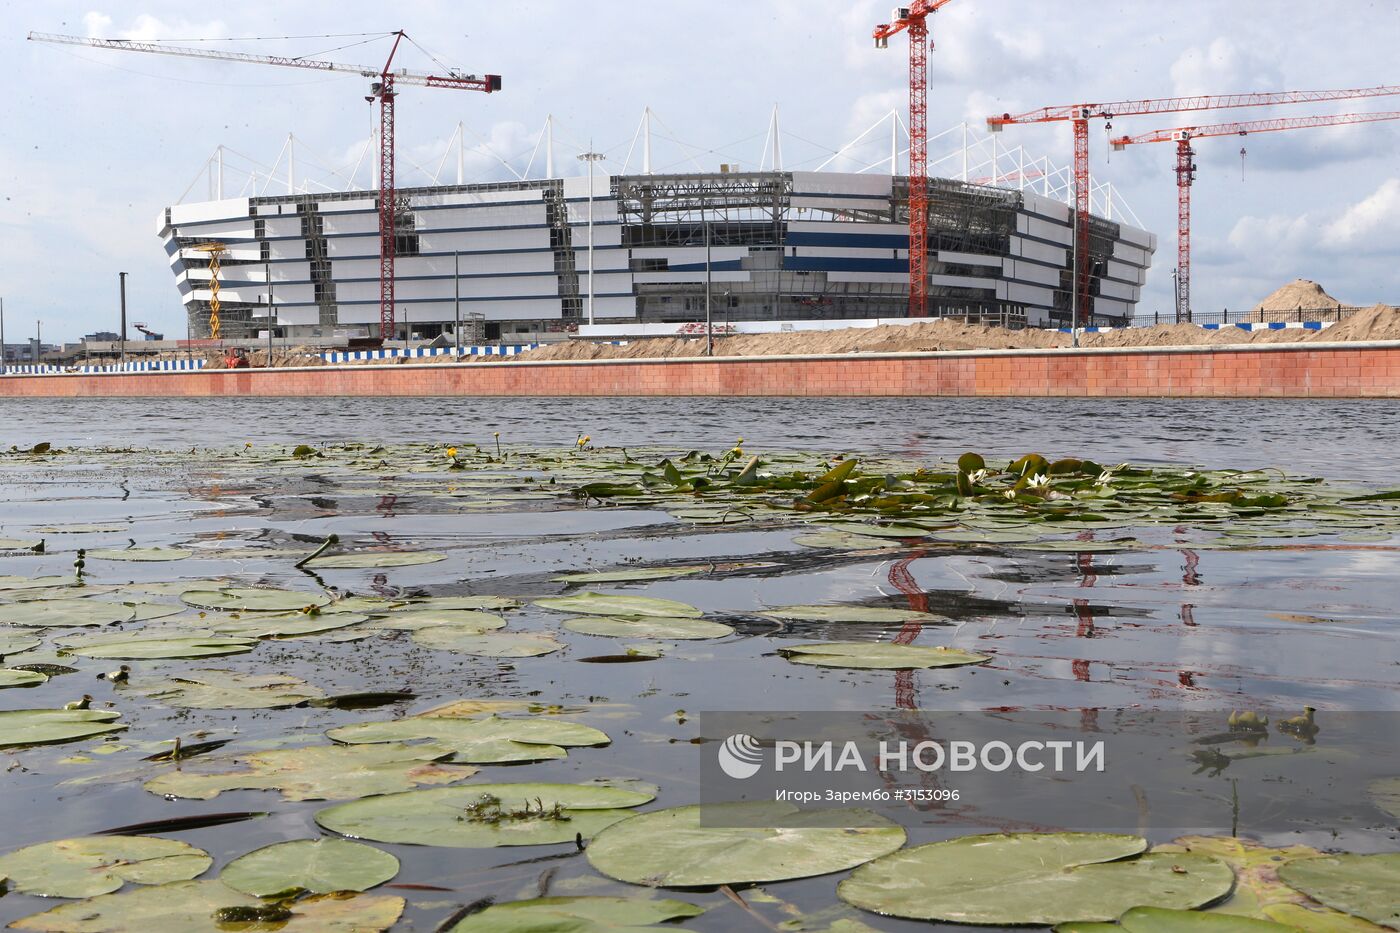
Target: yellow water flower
[452,452]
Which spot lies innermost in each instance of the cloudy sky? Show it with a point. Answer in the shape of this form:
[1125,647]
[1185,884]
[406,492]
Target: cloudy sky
[97,143]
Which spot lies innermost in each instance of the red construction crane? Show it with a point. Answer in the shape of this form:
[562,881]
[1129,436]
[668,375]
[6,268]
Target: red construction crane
[1186,173]
[381,90]
[1081,114]
[914,18]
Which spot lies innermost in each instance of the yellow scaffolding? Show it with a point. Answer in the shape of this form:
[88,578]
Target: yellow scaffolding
[215,250]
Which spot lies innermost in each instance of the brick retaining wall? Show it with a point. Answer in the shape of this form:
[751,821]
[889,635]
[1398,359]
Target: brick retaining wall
[1270,370]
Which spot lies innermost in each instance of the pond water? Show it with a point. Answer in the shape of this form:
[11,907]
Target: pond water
[1176,620]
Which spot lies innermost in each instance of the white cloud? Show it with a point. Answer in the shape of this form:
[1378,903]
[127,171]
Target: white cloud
[1372,224]
[1224,67]
[147,28]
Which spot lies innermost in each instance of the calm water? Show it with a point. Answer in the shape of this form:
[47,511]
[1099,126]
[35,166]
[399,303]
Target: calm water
[1350,439]
[1166,628]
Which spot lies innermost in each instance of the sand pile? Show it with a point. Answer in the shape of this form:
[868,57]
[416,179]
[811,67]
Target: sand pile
[1378,322]
[1299,295]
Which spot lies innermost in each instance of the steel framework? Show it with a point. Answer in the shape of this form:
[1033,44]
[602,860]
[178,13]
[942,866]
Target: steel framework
[382,90]
[1080,115]
[1186,172]
[914,20]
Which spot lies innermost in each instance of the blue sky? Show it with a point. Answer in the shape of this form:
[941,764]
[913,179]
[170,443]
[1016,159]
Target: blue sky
[97,143]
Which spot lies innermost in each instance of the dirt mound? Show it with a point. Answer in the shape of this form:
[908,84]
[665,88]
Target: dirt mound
[1378,322]
[887,338]
[1299,295]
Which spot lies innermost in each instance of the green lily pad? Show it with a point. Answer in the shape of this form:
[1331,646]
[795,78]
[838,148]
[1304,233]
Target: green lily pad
[32,583]
[635,573]
[671,848]
[656,627]
[20,544]
[157,647]
[576,915]
[879,655]
[270,625]
[479,741]
[317,866]
[65,613]
[15,642]
[9,677]
[411,620]
[47,726]
[1033,878]
[222,689]
[253,599]
[194,907]
[463,640]
[1366,886]
[141,553]
[482,816]
[1258,891]
[91,865]
[368,559]
[1160,920]
[878,614]
[316,772]
[618,604]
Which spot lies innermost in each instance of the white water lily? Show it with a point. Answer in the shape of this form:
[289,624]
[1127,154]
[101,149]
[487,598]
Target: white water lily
[1010,493]
[1038,481]
[1104,479]
[977,476]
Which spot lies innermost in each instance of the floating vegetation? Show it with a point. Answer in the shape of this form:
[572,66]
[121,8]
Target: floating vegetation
[491,740]
[225,689]
[253,599]
[335,584]
[93,865]
[316,772]
[545,814]
[879,655]
[47,726]
[314,866]
[735,844]
[213,905]
[140,646]
[1034,878]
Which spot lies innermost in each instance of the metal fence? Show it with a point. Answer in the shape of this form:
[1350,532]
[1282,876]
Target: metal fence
[1248,317]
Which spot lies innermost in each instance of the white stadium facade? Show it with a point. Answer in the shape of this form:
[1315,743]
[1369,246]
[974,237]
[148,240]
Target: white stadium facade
[773,245]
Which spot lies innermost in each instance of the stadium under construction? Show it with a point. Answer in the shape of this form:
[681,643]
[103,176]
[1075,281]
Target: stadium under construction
[515,256]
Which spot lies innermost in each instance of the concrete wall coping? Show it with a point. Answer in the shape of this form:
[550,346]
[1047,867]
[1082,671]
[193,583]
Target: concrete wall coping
[517,362]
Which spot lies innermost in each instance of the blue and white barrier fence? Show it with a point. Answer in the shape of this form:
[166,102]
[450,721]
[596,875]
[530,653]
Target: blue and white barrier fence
[1243,325]
[135,366]
[345,356]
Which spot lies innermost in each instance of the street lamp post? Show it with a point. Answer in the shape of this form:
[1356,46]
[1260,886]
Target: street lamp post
[38,341]
[457,302]
[270,313]
[709,320]
[590,157]
[121,277]
[4,358]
